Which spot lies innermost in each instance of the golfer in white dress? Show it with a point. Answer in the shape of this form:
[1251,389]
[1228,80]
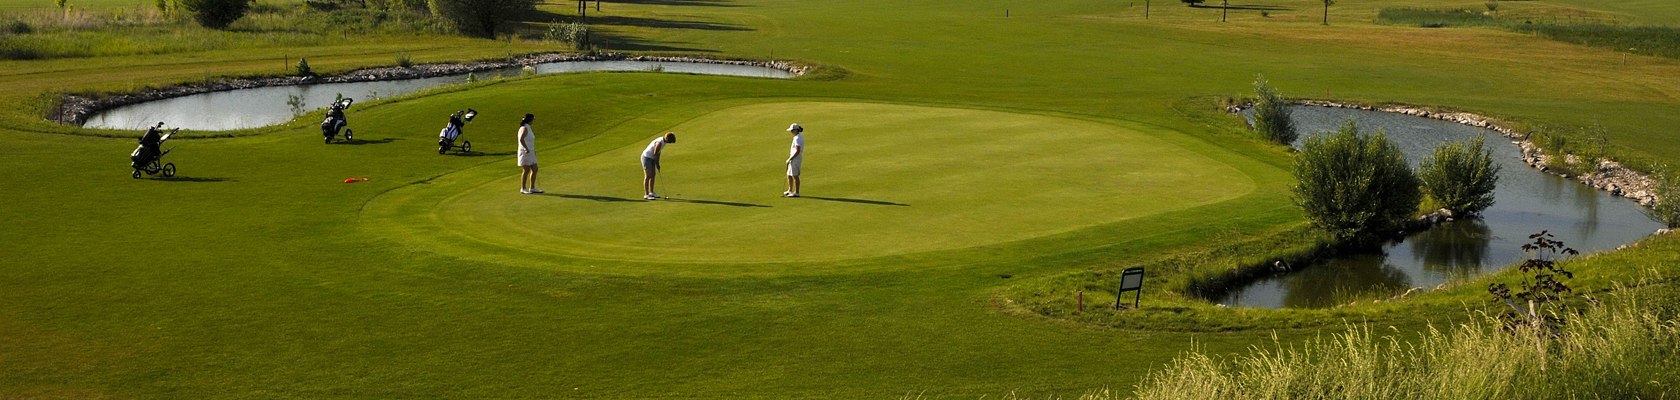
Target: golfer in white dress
[527,157]
[796,158]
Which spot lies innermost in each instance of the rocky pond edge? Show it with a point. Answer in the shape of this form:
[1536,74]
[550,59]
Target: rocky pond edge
[76,108]
[1609,175]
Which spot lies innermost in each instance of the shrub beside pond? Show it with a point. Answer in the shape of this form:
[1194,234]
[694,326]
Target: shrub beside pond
[1271,114]
[1356,187]
[1461,176]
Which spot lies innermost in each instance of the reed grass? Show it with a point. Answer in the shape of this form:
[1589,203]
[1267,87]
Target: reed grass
[1626,347]
[1433,18]
[1586,30]
[1658,41]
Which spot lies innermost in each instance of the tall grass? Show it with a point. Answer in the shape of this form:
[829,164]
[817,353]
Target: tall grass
[1433,18]
[1592,31]
[1659,41]
[1627,350]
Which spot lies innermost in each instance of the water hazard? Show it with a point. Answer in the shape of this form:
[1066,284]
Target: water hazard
[258,107]
[1527,201]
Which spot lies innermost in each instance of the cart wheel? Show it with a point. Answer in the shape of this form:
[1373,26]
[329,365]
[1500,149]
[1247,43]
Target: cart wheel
[443,149]
[136,174]
[169,170]
[466,147]
[347,136]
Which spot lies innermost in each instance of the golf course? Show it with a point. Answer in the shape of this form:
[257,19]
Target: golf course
[977,174]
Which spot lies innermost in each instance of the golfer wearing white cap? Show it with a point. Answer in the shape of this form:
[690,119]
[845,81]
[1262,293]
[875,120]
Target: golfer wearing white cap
[796,156]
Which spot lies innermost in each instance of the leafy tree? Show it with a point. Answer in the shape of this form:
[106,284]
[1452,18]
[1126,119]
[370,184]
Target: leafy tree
[303,67]
[61,3]
[1355,187]
[1271,114]
[1461,176]
[1538,301]
[216,14]
[480,17]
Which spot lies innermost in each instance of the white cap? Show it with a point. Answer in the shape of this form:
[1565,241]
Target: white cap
[796,128]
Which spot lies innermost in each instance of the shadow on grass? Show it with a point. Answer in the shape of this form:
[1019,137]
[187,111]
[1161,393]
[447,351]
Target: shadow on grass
[611,42]
[359,142]
[701,3]
[1246,8]
[856,201]
[715,202]
[178,178]
[640,22]
[604,199]
[484,154]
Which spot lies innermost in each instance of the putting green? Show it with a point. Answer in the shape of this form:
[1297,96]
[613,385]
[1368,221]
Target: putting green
[879,180]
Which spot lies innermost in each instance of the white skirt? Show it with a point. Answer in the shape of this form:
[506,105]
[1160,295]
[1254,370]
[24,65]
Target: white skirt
[527,158]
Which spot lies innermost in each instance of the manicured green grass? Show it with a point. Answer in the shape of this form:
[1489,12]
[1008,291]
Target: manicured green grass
[258,273]
[889,180]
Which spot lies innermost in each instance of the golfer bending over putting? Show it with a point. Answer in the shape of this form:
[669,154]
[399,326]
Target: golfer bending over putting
[796,157]
[650,163]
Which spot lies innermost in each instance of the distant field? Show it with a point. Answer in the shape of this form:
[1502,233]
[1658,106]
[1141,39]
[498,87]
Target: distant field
[7,5]
[1654,12]
[14,5]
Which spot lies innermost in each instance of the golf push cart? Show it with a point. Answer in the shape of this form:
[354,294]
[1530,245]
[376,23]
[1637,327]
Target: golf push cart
[147,157]
[335,120]
[452,132]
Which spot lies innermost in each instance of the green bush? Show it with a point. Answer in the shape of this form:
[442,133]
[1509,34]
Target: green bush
[1461,176]
[1667,207]
[480,17]
[1355,187]
[303,67]
[1271,114]
[574,33]
[216,14]
[19,28]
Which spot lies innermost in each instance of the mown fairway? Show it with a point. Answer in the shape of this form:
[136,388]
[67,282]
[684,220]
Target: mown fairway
[961,152]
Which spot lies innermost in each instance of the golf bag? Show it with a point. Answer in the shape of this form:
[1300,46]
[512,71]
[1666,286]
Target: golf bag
[336,121]
[148,155]
[452,132]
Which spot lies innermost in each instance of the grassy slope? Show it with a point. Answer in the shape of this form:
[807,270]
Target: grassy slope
[259,281]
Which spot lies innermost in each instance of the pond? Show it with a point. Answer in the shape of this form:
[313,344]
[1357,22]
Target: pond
[265,106]
[1527,201]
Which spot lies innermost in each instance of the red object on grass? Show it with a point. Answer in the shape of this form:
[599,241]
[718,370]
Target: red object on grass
[354,180]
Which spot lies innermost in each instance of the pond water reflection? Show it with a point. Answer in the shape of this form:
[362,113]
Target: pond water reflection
[264,106]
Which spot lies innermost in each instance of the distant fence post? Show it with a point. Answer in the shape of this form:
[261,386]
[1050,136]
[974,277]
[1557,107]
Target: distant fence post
[1131,280]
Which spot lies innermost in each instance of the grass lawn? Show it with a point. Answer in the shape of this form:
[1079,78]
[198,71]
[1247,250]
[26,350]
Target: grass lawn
[961,153]
[893,180]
